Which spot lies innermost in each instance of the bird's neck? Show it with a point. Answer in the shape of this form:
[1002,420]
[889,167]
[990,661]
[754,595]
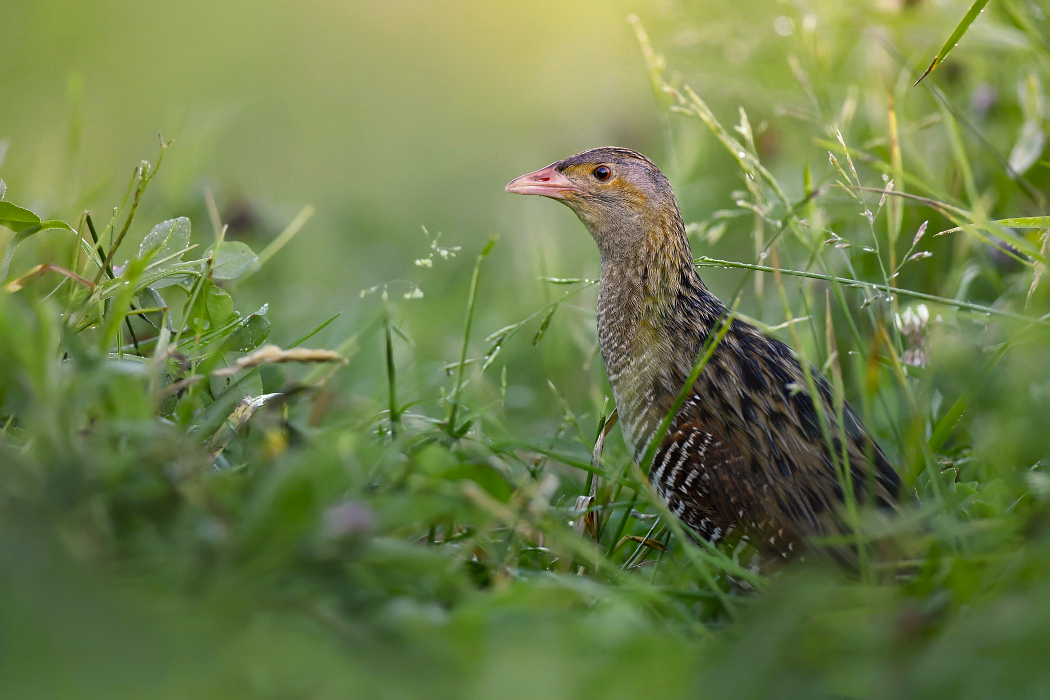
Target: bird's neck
[654,313]
[647,266]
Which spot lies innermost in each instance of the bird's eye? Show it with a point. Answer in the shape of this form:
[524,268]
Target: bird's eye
[602,172]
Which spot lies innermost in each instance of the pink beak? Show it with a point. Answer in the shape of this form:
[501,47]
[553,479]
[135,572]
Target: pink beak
[547,182]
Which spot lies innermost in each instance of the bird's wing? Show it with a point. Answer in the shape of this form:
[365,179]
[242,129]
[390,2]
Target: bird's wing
[699,475]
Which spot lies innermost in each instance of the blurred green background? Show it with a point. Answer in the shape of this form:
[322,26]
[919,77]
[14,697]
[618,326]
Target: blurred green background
[387,117]
[131,567]
[391,117]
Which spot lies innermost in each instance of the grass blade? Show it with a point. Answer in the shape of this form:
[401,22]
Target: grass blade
[960,29]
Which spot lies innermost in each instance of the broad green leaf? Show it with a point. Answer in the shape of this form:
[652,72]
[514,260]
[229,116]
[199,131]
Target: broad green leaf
[149,298]
[212,308]
[220,306]
[24,223]
[960,29]
[180,273]
[166,239]
[233,260]
[18,219]
[250,335]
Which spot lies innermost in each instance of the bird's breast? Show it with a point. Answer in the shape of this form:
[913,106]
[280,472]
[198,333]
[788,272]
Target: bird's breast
[635,352]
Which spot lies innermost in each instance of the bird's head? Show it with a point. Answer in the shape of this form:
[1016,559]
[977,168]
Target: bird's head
[619,194]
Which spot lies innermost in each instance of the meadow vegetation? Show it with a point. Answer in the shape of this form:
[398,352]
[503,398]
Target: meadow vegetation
[203,493]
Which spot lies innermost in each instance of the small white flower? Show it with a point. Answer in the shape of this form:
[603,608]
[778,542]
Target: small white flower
[912,324]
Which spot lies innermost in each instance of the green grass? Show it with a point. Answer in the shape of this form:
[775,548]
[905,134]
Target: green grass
[429,499]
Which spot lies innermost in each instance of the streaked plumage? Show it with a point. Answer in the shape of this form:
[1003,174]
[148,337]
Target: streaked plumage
[746,454]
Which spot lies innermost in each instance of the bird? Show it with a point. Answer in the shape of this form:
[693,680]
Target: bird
[750,455]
